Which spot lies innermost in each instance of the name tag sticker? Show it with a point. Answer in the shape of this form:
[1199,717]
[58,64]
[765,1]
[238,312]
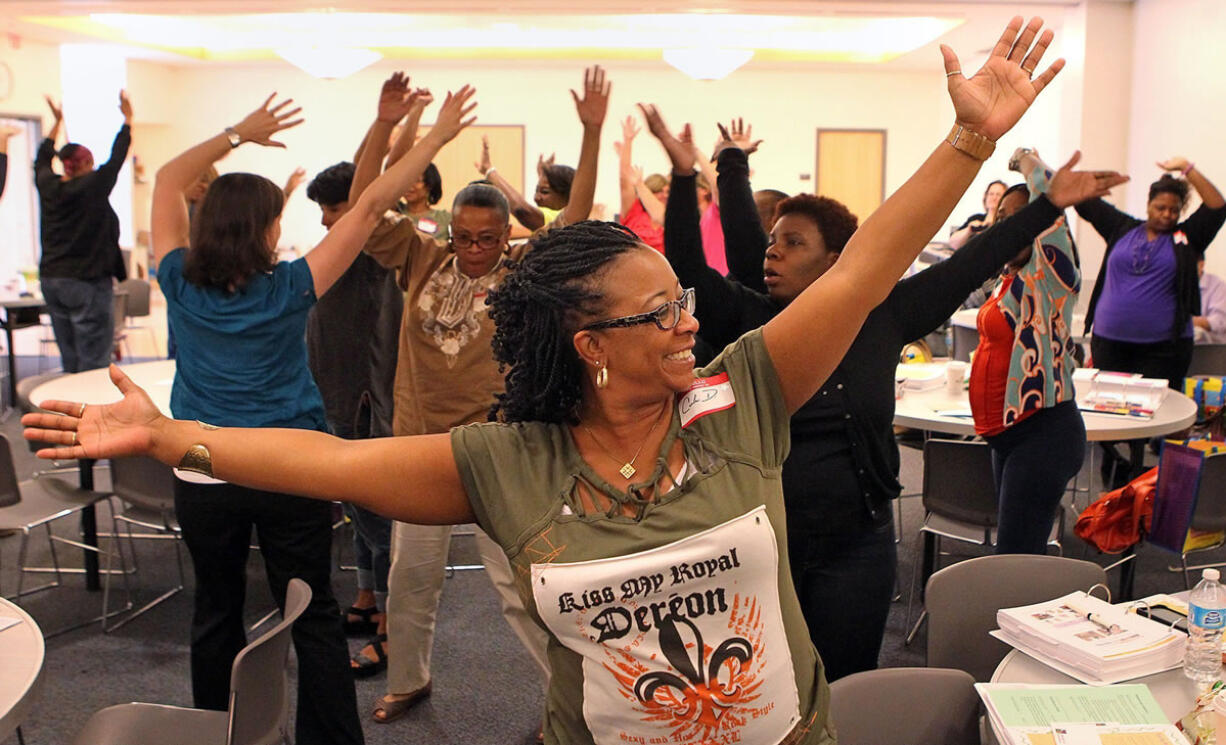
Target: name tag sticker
[427,226]
[706,396]
[1181,238]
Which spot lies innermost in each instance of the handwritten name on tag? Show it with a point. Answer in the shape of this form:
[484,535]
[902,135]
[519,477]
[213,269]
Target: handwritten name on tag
[706,396]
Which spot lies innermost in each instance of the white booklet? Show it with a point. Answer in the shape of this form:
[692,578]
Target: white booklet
[1090,639]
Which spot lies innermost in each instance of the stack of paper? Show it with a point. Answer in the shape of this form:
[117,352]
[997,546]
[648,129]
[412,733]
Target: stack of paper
[1090,639]
[920,376]
[1076,715]
[1126,394]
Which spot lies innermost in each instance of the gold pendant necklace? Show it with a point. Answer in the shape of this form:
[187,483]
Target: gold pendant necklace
[627,469]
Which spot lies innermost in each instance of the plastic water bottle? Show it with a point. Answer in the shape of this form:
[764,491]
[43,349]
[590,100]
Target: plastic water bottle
[1202,661]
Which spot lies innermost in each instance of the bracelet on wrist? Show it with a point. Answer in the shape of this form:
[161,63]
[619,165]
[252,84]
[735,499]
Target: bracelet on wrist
[490,170]
[1188,169]
[970,142]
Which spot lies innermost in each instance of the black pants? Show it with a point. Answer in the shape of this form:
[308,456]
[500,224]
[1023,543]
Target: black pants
[1166,360]
[1033,462]
[295,538]
[845,584]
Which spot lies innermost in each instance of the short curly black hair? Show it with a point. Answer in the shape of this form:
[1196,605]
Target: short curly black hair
[538,308]
[330,186]
[835,222]
[1168,184]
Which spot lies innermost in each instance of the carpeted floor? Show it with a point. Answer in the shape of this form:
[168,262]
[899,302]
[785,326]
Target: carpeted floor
[485,690]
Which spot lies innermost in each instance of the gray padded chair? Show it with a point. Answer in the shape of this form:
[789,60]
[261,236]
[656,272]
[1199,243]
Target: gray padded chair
[138,306]
[259,699]
[912,705]
[145,488]
[37,503]
[965,342]
[959,504]
[962,600]
[1208,359]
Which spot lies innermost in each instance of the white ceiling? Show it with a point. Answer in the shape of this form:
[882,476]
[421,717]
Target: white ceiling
[982,20]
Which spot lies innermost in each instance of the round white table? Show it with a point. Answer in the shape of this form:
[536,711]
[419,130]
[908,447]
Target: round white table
[1173,691]
[919,410]
[95,386]
[21,666]
[968,318]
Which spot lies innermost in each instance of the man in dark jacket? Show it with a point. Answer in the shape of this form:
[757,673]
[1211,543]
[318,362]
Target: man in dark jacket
[80,243]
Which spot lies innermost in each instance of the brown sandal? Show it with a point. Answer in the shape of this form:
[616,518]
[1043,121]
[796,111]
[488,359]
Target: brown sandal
[389,710]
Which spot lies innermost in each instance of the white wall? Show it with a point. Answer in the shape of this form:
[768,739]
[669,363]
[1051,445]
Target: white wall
[36,72]
[1178,97]
[786,105]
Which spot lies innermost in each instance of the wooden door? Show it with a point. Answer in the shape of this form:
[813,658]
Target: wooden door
[851,168]
[456,160]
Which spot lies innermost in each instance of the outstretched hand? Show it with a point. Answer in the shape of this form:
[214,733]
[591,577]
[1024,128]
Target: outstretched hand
[57,110]
[594,104]
[77,430]
[125,107]
[395,98]
[260,125]
[543,164]
[630,129]
[738,135]
[994,99]
[680,149]
[420,98]
[1069,187]
[294,181]
[484,165]
[454,117]
[1177,163]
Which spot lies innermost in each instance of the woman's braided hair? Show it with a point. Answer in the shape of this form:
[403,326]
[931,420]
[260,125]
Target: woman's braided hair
[537,309]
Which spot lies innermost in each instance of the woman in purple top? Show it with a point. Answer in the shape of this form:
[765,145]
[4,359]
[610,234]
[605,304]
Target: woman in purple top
[1147,289]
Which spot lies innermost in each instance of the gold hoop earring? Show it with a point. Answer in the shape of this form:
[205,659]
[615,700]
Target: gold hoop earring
[602,378]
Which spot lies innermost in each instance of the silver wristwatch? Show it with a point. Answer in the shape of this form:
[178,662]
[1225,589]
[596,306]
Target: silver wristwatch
[232,136]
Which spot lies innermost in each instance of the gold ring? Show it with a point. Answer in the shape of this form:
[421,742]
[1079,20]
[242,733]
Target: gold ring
[951,74]
[81,413]
[1029,72]
[74,439]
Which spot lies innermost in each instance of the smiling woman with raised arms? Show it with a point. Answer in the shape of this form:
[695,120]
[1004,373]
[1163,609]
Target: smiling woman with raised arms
[639,502]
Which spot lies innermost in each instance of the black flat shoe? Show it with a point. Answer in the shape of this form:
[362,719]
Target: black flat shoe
[364,625]
[364,667]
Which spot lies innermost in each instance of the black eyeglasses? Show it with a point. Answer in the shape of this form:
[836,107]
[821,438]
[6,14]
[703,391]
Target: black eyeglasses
[665,317]
[485,242]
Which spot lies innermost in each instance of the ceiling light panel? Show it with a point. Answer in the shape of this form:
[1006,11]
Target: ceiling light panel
[829,38]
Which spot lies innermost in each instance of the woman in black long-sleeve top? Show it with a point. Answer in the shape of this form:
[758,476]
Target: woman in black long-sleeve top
[843,468]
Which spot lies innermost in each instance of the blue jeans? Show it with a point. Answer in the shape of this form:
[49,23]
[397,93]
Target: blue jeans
[372,548]
[1033,462]
[82,316]
[845,583]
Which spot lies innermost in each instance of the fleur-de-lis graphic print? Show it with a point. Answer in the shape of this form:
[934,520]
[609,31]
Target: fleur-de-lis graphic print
[706,688]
